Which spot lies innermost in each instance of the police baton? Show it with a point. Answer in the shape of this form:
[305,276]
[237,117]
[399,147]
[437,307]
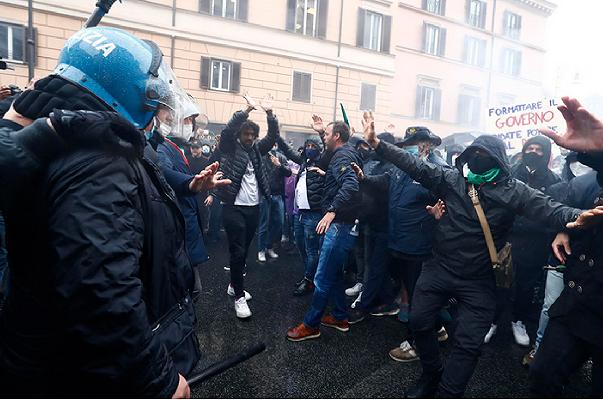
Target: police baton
[230,362]
[102,8]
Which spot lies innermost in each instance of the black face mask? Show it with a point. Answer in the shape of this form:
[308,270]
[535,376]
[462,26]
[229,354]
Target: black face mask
[533,160]
[367,155]
[479,164]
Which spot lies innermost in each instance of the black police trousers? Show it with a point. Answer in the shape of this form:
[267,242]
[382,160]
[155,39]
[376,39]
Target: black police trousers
[560,354]
[476,306]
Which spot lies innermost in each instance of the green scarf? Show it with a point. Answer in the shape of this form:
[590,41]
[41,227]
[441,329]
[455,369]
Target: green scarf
[479,179]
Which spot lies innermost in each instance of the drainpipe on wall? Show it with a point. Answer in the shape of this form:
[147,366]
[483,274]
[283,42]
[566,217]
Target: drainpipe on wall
[492,36]
[30,41]
[338,55]
[173,37]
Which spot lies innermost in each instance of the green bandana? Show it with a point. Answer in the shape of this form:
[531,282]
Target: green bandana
[479,179]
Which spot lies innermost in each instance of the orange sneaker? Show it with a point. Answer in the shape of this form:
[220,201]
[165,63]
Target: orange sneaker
[340,325]
[302,332]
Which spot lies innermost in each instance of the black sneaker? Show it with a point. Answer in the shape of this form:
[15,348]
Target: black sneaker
[355,315]
[385,309]
[303,288]
[426,387]
[299,282]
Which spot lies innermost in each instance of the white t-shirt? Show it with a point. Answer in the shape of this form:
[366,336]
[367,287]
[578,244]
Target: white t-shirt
[249,194]
[301,192]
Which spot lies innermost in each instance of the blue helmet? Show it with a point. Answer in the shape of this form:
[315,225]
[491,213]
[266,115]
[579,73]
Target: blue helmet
[123,71]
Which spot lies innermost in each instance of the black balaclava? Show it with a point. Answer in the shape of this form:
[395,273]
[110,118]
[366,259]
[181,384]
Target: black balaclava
[481,163]
[533,160]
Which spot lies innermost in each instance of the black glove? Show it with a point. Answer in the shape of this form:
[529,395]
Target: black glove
[104,129]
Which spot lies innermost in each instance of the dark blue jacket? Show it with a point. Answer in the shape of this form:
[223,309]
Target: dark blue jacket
[342,192]
[177,172]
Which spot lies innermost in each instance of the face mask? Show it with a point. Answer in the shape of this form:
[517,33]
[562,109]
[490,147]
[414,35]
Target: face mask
[478,164]
[532,160]
[205,150]
[311,153]
[164,129]
[187,131]
[579,169]
[414,150]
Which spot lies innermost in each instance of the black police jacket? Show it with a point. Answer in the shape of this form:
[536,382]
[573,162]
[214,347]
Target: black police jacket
[235,157]
[459,242]
[99,300]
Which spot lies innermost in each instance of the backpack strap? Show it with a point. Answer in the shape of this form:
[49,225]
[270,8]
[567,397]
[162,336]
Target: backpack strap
[483,221]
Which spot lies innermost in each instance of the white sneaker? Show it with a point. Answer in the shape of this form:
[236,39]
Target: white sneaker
[272,254]
[262,256]
[490,333]
[241,308]
[520,334]
[227,268]
[357,301]
[354,290]
[231,292]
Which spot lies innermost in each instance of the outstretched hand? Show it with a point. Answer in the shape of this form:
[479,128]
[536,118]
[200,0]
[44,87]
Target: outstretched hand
[251,103]
[368,126]
[317,124]
[584,132]
[587,219]
[359,172]
[208,179]
[437,210]
[317,170]
[561,246]
[267,103]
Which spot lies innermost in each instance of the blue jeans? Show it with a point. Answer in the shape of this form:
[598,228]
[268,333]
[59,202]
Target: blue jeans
[329,282]
[3,261]
[307,240]
[553,288]
[272,215]
[215,220]
[377,288]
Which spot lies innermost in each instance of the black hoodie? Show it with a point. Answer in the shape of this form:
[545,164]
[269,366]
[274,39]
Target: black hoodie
[459,243]
[541,177]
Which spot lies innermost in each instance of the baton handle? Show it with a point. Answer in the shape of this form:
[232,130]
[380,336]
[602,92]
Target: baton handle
[224,365]
[102,8]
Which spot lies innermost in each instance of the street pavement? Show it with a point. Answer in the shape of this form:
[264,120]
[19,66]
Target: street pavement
[347,365]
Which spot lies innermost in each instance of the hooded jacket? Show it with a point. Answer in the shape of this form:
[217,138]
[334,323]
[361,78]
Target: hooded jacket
[235,157]
[459,242]
[314,181]
[542,177]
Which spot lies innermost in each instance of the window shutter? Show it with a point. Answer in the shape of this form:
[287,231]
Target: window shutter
[323,11]
[459,115]
[386,33]
[482,53]
[506,27]
[204,6]
[482,14]
[418,101]
[443,7]
[468,11]
[424,37]
[205,72]
[517,64]
[291,5]
[424,5]
[437,104]
[466,50]
[442,49]
[27,57]
[235,85]
[243,10]
[360,28]
[518,32]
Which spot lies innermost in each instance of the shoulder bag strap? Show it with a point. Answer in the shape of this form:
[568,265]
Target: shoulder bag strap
[485,227]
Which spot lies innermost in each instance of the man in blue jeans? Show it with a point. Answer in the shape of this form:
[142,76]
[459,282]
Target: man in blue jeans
[340,202]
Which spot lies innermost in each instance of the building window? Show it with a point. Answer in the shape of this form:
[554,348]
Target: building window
[435,40]
[222,75]
[374,31]
[476,13]
[469,110]
[511,62]
[368,96]
[306,17]
[512,25]
[224,8]
[428,103]
[475,51]
[302,87]
[434,6]
[12,42]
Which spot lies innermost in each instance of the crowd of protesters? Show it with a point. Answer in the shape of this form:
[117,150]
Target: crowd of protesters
[120,196]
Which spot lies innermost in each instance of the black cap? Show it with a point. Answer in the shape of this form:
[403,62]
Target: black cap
[415,134]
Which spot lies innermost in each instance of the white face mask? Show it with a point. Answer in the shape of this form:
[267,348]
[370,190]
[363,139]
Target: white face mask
[579,169]
[187,130]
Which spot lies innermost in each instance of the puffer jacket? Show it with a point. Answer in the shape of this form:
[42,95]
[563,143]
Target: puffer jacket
[103,305]
[235,157]
[459,242]
[314,181]
[277,175]
[342,191]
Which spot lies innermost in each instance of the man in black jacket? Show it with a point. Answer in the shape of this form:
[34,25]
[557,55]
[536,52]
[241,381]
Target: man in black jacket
[243,154]
[103,305]
[530,240]
[574,330]
[461,266]
[340,202]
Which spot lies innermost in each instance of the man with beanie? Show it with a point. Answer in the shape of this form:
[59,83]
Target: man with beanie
[530,240]
[461,266]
